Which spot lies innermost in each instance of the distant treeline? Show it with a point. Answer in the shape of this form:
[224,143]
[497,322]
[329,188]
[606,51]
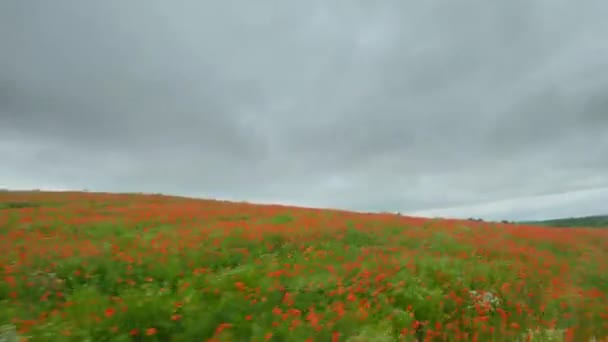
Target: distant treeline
[588,221]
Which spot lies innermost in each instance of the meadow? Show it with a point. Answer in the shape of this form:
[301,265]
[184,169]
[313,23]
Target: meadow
[78,266]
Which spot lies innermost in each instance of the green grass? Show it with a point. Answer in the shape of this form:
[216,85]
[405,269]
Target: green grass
[600,221]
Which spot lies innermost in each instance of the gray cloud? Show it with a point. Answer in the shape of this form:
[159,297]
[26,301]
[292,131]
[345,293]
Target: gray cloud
[576,204]
[368,106]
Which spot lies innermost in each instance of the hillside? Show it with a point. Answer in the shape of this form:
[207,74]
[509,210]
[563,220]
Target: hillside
[128,267]
[599,221]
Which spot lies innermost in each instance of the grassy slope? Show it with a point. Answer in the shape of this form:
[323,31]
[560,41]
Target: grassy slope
[79,266]
[599,221]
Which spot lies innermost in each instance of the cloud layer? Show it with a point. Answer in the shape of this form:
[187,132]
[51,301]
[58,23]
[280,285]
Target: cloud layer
[367,106]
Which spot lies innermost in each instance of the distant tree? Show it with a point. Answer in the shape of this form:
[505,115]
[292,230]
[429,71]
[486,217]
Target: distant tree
[589,221]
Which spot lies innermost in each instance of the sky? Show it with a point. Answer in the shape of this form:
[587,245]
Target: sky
[491,109]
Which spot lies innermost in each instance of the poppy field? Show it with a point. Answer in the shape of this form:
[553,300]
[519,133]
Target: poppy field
[79,266]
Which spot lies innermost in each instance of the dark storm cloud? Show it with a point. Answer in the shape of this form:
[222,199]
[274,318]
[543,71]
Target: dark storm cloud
[371,106]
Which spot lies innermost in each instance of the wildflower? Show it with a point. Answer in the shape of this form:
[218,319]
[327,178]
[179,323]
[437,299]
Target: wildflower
[313,318]
[288,299]
[109,312]
[151,331]
[10,280]
[222,327]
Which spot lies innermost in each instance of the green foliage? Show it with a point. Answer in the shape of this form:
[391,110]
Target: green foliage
[587,222]
[280,219]
[19,205]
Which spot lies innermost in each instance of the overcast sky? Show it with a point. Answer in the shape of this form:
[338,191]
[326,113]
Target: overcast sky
[493,109]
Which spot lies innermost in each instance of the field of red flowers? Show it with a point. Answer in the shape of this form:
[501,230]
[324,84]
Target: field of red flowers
[131,267]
